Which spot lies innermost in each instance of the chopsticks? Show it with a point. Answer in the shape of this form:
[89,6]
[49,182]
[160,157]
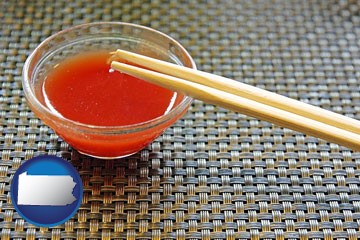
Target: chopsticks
[243,98]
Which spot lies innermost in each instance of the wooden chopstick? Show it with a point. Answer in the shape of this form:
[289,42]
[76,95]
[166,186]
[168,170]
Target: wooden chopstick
[215,94]
[243,90]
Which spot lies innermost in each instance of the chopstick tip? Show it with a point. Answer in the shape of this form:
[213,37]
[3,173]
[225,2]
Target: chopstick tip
[114,56]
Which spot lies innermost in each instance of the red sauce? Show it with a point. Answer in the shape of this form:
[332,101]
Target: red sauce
[83,89]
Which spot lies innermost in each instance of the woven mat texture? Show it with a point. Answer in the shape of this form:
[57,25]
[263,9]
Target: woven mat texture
[215,174]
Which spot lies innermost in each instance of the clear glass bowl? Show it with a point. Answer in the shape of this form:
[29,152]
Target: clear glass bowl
[102,141]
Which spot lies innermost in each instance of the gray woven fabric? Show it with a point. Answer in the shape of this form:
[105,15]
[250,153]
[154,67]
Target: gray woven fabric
[214,174]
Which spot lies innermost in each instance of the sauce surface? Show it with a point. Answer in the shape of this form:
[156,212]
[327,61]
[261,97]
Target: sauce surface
[83,89]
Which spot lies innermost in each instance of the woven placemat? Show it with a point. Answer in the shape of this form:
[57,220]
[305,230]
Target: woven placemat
[214,174]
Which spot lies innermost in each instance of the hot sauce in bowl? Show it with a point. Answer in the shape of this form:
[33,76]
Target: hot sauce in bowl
[84,89]
[68,84]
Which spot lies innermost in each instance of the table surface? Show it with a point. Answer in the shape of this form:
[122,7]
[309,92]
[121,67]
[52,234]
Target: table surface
[215,174]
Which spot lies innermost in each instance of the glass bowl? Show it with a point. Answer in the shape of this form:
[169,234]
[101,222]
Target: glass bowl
[102,141]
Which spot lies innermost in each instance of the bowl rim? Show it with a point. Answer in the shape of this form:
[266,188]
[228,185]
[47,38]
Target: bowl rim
[46,113]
